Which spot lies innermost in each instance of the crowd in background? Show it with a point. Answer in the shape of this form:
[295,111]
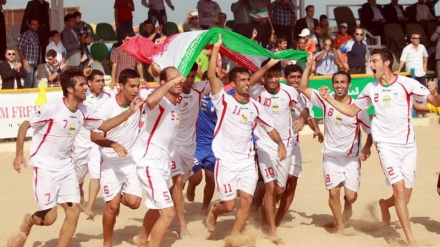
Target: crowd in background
[273,25]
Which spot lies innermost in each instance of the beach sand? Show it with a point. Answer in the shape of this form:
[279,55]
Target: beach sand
[308,223]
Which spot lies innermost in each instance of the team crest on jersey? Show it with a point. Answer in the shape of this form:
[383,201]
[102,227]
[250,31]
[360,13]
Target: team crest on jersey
[386,100]
[185,105]
[275,107]
[244,118]
[338,118]
[72,128]
[177,117]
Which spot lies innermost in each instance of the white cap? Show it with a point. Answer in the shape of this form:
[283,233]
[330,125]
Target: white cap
[194,13]
[305,32]
[343,24]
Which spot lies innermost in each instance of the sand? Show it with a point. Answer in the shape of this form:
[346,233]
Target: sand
[308,223]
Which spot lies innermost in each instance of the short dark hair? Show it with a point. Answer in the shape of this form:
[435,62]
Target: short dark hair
[53,33]
[322,17]
[309,6]
[68,17]
[385,54]
[128,74]
[221,13]
[281,39]
[51,53]
[194,67]
[276,67]
[76,14]
[147,21]
[129,34]
[94,73]
[233,73]
[341,72]
[293,68]
[70,78]
[32,19]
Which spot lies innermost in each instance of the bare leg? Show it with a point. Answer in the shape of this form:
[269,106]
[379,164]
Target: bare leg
[349,198]
[109,219]
[150,218]
[401,199]
[177,195]
[93,193]
[286,199]
[269,209]
[258,196]
[193,181]
[208,191]
[243,212]
[69,225]
[216,210]
[335,205]
[81,193]
[161,226]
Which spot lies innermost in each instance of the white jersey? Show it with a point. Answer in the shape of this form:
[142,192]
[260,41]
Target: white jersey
[93,103]
[55,128]
[189,105]
[393,106]
[159,130]
[124,134]
[233,131]
[278,107]
[297,114]
[342,133]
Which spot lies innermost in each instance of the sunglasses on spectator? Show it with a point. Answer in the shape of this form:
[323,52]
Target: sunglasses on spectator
[359,34]
[11,54]
[415,38]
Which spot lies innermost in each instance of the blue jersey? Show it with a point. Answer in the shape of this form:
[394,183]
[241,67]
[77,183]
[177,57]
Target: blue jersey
[205,123]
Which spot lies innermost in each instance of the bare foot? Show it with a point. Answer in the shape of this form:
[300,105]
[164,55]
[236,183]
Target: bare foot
[90,214]
[386,217]
[16,240]
[184,233]
[190,195]
[275,239]
[211,219]
[204,211]
[348,212]
[339,228]
[137,241]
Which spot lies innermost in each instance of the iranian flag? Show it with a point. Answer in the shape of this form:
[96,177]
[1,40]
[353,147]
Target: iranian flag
[181,50]
[259,13]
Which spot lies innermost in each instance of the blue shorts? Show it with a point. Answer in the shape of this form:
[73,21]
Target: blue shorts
[204,158]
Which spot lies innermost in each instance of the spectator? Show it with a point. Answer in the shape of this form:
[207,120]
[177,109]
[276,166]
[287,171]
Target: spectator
[280,12]
[242,19]
[2,30]
[39,10]
[325,59]
[11,71]
[420,12]
[54,68]
[71,42]
[207,11]
[123,18]
[341,38]
[192,22]
[281,44]
[85,39]
[322,31]
[150,32]
[310,44]
[415,58]
[435,37]
[308,22]
[262,25]
[122,60]
[202,61]
[220,21]
[357,53]
[56,45]
[157,12]
[395,13]
[28,48]
[372,17]
[271,44]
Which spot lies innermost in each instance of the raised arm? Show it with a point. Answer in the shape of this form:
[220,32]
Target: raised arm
[303,86]
[154,98]
[212,77]
[21,135]
[349,110]
[113,122]
[256,77]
